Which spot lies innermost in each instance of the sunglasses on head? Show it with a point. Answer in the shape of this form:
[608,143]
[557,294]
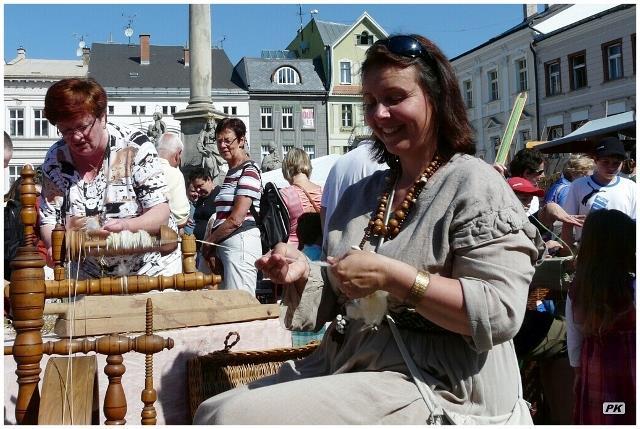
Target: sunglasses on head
[407,46]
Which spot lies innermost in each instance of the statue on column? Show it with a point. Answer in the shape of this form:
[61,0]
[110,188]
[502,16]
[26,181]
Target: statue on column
[212,161]
[271,161]
[158,127]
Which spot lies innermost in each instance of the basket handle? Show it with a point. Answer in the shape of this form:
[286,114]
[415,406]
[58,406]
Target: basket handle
[228,346]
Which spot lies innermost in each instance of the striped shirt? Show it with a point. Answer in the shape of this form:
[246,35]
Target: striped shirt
[243,180]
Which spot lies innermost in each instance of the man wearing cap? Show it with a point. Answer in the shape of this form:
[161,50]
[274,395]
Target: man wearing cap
[604,189]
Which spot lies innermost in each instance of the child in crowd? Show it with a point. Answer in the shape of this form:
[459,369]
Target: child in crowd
[601,319]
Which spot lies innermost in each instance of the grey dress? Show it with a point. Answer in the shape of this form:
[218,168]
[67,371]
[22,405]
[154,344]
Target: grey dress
[467,225]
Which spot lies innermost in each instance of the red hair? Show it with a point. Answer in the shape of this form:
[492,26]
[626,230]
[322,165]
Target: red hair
[73,98]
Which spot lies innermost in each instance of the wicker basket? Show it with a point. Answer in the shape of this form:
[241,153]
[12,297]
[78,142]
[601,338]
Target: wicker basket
[222,370]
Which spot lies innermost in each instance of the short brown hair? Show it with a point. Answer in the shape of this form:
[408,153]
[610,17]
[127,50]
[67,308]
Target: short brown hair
[438,79]
[234,124]
[74,97]
[296,161]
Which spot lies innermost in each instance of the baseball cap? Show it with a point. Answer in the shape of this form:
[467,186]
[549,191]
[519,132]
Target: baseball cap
[610,146]
[520,184]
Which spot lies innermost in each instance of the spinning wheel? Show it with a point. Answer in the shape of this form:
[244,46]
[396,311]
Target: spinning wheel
[27,292]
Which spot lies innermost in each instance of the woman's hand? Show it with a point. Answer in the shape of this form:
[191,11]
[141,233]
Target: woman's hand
[284,265]
[359,273]
[116,225]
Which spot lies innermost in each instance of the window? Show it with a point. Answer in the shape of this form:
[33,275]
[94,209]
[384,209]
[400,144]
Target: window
[225,109]
[286,148]
[266,117]
[364,38]
[308,118]
[522,76]
[311,150]
[16,122]
[287,76]
[165,110]
[173,109]
[577,124]
[345,72]
[633,51]
[143,110]
[347,116]
[495,143]
[287,118]
[40,123]
[525,136]
[14,173]
[578,70]
[555,132]
[612,57]
[468,93]
[492,77]
[134,110]
[234,110]
[552,74]
[264,150]
[111,110]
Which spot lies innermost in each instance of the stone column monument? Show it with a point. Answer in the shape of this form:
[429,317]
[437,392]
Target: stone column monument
[194,118]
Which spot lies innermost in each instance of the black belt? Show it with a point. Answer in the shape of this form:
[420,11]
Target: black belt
[411,319]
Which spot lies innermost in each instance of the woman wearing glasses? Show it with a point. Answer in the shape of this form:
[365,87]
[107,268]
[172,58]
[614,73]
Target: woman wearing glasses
[235,227]
[102,176]
[444,247]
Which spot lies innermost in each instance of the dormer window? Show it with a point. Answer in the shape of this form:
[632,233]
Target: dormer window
[287,76]
[365,38]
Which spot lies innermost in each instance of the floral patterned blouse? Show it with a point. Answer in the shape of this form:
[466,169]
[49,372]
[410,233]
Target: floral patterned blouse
[130,181]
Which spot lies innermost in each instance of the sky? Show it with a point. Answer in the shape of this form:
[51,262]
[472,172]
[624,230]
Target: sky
[53,31]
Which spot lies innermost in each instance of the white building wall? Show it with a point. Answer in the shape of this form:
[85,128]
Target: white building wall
[594,99]
[489,118]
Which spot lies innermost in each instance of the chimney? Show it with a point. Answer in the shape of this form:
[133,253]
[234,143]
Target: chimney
[186,56]
[145,51]
[85,56]
[22,54]
[529,10]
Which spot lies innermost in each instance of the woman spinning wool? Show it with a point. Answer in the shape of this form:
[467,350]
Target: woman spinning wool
[101,176]
[447,251]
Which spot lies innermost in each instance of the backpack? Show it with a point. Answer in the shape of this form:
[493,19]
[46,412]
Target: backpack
[273,219]
[13,234]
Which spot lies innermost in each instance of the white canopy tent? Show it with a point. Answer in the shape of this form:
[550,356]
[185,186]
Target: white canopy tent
[321,167]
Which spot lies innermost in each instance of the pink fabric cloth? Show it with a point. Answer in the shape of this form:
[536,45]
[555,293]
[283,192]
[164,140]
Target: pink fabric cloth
[297,204]
[169,367]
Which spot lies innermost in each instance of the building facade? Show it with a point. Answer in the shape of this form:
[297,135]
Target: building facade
[492,75]
[143,79]
[586,70]
[287,104]
[341,49]
[26,82]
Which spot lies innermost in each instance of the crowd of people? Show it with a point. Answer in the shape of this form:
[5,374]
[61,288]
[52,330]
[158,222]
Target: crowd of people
[428,251]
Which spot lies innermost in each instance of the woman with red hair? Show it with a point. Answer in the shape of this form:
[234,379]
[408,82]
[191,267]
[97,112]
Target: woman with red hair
[102,176]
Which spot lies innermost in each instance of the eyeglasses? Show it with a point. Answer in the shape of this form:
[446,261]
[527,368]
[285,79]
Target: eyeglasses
[83,129]
[538,172]
[226,142]
[407,46]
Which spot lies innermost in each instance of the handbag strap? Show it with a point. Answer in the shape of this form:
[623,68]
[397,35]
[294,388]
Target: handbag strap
[315,207]
[437,413]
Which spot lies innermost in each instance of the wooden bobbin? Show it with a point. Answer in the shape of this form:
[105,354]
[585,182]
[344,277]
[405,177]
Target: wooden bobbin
[83,243]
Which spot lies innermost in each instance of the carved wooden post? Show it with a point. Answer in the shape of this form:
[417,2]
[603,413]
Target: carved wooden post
[188,253]
[149,395]
[27,294]
[115,402]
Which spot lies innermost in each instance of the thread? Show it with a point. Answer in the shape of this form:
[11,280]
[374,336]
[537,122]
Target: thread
[127,240]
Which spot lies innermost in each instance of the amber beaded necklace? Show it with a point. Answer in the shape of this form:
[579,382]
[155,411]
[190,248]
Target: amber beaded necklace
[390,229]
